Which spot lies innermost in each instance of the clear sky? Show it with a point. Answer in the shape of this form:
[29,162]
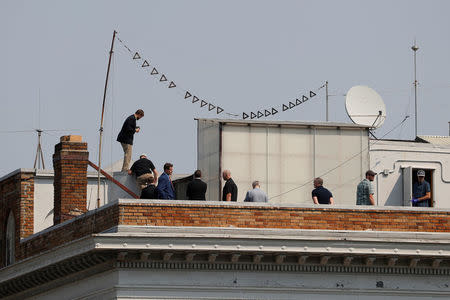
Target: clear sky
[241,55]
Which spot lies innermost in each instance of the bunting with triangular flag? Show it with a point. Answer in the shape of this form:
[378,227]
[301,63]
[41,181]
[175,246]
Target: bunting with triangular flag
[154,71]
[218,109]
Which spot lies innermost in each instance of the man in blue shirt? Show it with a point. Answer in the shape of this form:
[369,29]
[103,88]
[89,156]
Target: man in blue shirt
[421,191]
[165,187]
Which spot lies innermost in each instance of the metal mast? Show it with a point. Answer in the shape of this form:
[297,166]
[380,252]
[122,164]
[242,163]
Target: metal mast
[101,120]
[39,155]
[415,48]
[326,97]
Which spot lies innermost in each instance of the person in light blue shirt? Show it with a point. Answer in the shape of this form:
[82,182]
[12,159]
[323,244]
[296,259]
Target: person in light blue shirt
[256,195]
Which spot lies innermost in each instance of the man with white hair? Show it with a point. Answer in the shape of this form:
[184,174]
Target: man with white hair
[144,170]
[256,195]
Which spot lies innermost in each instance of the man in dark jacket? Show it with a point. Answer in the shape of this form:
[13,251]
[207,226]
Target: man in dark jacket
[196,189]
[126,136]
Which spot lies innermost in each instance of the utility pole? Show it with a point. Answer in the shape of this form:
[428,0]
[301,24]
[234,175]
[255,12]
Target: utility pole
[415,48]
[101,120]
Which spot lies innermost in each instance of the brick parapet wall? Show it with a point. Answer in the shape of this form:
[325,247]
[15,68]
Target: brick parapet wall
[158,214]
[176,213]
[82,226]
[16,196]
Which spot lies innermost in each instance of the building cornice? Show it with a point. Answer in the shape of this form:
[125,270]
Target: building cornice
[200,248]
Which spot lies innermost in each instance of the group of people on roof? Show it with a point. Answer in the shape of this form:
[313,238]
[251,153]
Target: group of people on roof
[147,178]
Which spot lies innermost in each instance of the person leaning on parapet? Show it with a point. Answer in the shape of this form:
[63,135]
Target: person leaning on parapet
[126,136]
[165,187]
[256,194]
[421,191]
[321,195]
[364,191]
[230,190]
[196,189]
[144,170]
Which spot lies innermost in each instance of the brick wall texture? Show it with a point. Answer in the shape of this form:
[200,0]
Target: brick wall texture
[70,180]
[16,196]
[179,214]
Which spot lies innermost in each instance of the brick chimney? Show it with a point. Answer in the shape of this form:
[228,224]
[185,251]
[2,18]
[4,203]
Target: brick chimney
[70,181]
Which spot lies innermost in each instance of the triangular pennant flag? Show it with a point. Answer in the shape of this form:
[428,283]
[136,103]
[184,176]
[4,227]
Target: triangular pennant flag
[211,107]
[260,114]
[145,64]
[304,98]
[252,115]
[244,116]
[172,85]
[195,99]
[297,101]
[187,95]
[311,94]
[219,110]
[136,56]
[163,78]
[274,111]
[266,113]
[285,107]
[203,103]
[291,105]
[154,71]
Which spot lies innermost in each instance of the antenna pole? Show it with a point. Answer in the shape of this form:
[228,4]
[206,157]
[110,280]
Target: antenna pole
[415,48]
[101,120]
[39,155]
[326,97]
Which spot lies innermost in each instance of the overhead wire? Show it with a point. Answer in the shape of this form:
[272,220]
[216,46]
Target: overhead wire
[341,164]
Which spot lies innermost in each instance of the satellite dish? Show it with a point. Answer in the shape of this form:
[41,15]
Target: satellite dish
[365,107]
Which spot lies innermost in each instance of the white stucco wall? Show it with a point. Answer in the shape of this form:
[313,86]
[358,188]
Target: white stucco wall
[192,284]
[285,158]
[43,197]
[390,158]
